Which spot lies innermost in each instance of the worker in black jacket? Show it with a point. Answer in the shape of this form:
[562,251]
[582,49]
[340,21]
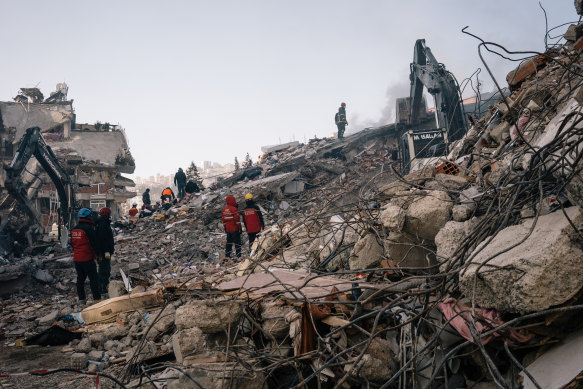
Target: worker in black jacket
[180,182]
[340,119]
[146,197]
[105,246]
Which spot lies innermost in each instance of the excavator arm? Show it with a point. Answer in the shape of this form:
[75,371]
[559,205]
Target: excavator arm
[31,145]
[427,72]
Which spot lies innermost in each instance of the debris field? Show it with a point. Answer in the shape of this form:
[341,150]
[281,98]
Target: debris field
[463,274]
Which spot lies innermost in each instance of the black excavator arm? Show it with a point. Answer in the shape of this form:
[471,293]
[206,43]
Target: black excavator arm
[427,72]
[31,145]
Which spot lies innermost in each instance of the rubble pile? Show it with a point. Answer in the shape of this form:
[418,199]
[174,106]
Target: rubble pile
[465,273]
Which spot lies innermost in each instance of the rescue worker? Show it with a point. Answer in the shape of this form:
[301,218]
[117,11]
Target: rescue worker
[106,247]
[167,195]
[232,224]
[252,218]
[146,197]
[340,119]
[133,215]
[85,247]
[180,182]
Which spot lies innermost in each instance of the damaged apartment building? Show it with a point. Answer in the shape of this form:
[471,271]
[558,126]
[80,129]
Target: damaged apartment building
[93,155]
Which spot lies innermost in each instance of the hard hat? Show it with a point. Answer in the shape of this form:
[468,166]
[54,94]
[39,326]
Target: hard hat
[104,211]
[248,196]
[343,105]
[84,212]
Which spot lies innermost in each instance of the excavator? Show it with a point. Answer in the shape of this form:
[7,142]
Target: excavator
[423,141]
[31,145]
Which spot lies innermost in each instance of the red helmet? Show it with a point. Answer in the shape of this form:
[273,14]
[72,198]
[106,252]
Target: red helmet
[104,211]
[343,105]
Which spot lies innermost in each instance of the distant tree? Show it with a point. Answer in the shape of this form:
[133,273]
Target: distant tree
[193,175]
[247,162]
[237,164]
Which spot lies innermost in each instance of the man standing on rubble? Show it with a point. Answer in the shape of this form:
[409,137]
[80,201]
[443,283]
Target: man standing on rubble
[253,219]
[106,247]
[146,197]
[340,119]
[232,224]
[180,182]
[84,243]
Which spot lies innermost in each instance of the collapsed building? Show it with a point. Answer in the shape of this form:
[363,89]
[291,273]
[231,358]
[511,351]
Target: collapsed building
[464,273]
[93,155]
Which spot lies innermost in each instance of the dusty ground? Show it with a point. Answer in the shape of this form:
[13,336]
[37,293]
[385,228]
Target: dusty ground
[23,359]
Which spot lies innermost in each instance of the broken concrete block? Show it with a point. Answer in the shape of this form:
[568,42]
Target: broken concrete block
[447,182]
[274,319]
[408,251]
[574,32]
[393,217]
[78,361]
[386,192]
[451,236]
[541,272]
[381,349]
[97,339]
[116,288]
[111,345]
[84,346]
[579,7]
[367,253]
[294,187]
[146,351]
[116,332]
[49,319]
[95,355]
[43,276]
[166,319]
[462,212]
[370,369]
[427,214]
[501,132]
[209,316]
[187,341]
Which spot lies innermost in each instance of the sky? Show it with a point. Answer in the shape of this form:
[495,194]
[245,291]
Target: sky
[211,80]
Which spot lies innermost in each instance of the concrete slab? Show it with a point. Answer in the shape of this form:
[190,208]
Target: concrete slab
[283,146]
[558,366]
[295,285]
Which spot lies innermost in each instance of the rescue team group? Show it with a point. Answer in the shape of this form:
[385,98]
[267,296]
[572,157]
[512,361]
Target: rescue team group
[93,243]
[92,240]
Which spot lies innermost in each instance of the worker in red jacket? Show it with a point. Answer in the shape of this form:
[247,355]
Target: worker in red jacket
[232,224]
[85,247]
[252,218]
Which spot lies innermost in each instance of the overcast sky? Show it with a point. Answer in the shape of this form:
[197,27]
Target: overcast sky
[211,80]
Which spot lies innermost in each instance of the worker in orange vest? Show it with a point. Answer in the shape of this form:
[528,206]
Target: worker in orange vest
[133,214]
[167,196]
